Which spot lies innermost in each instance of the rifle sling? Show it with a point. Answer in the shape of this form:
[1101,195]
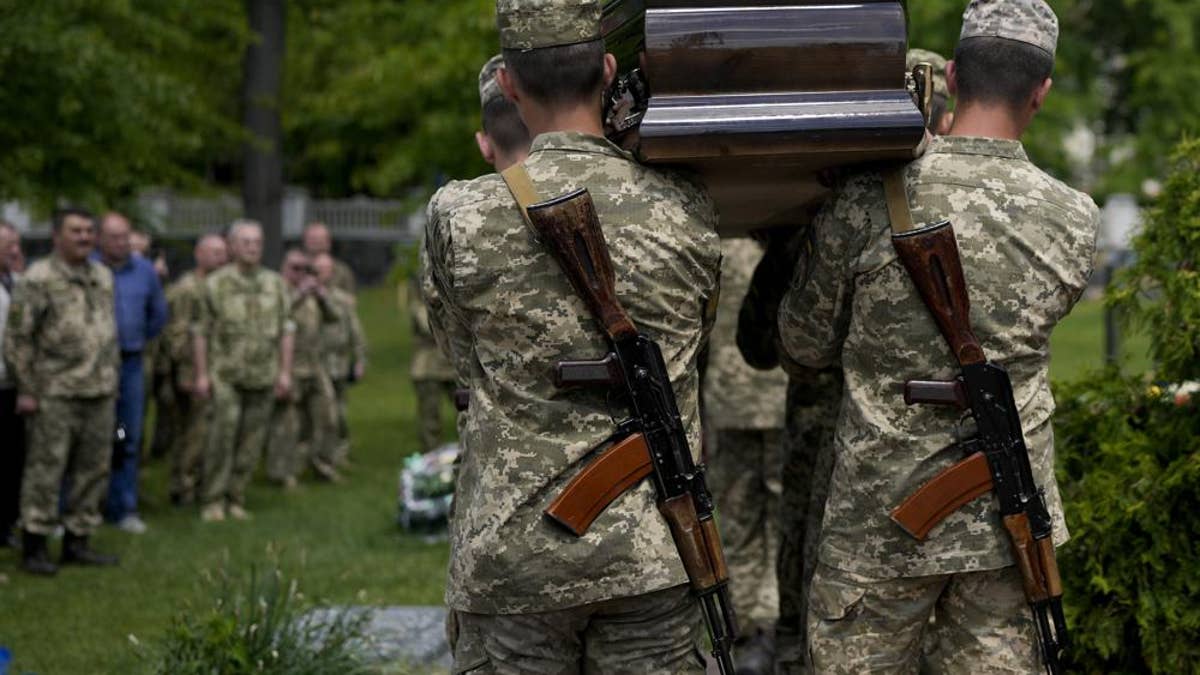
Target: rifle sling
[521,186]
[956,485]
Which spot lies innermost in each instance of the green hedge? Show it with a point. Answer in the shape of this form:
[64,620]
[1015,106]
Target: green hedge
[1129,460]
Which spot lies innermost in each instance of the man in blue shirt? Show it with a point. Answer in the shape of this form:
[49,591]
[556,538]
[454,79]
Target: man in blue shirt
[141,310]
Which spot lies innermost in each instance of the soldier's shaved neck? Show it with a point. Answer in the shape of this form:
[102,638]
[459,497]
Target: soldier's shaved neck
[542,110]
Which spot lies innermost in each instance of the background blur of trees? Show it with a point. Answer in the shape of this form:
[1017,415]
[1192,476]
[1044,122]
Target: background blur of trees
[103,97]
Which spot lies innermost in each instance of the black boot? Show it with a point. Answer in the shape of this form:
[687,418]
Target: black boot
[77,551]
[755,653]
[35,559]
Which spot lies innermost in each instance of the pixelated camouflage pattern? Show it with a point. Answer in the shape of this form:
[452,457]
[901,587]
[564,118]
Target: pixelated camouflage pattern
[737,396]
[489,86]
[303,429]
[1027,243]
[525,438]
[1028,21]
[655,633]
[452,339]
[244,315]
[61,338]
[533,24]
[69,453]
[982,624]
[915,56]
[185,299]
[428,361]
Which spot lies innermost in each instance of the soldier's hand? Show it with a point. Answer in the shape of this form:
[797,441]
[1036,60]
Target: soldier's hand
[26,405]
[283,386]
[202,387]
[360,369]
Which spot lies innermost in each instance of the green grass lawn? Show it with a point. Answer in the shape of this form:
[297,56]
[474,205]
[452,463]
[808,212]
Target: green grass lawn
[340,540]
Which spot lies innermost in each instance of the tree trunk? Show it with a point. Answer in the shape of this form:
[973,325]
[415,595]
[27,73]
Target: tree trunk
[262,70]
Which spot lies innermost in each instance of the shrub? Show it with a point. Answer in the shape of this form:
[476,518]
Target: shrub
[260,628]
[1129,460]
[1160,292]
[1129,465]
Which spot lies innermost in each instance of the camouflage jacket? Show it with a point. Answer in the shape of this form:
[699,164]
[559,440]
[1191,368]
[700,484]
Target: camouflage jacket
[184,300]
[737,396]
[310,314]
[343,277]
[244,317]
[1027,243]
[61,338]
[452,339]
[428,360]
[526,438]
[343,340]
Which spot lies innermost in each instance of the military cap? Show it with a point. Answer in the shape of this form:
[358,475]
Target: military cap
[1028,21]
[534,24]
[489,86]
[915,56]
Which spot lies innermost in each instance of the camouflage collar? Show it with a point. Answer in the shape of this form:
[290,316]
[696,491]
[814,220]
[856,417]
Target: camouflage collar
[82,274]
[973,145]
[576,141]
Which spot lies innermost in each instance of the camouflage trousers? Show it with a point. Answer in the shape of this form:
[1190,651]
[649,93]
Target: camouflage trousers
[812,409]
[744,475]
[655,632]
[859,624]
[167,416]
[186,449]
[69,440]
[237,434]
[303,430]
[341,430]
[431,395]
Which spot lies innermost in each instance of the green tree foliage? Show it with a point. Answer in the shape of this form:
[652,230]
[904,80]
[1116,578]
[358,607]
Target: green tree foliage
[381,95]
[102,97]
[1160,292]
[1126,69]
[1129,461]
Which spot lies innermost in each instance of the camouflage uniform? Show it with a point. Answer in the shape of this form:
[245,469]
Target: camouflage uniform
[813,397]
[244,316]
[534,597]
[304,424]
[1027,243]
[343,278]
[188,423]
[432,375]
[61,343]
[344,343]
[744,419]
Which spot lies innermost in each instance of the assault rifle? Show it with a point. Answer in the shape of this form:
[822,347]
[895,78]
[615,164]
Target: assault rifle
[653,441]
[996,458]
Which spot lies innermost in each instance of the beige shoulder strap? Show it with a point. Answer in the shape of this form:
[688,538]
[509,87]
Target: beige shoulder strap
[897,200]
[519,184]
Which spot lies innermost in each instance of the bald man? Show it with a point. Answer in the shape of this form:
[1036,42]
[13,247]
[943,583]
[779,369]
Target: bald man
[315,240]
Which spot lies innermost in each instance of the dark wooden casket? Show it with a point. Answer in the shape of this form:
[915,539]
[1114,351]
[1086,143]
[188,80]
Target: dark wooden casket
[757,97]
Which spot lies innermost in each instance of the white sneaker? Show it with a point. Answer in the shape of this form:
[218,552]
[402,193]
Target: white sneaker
[132,524]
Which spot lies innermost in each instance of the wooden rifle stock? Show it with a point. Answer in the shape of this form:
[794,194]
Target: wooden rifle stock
[930,254]
[569,226]
[600,482]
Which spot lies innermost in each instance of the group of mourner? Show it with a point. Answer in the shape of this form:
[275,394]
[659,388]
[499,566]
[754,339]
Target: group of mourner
[786,355]
[239,360]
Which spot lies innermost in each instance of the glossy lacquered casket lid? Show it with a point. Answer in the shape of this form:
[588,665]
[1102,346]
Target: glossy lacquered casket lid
[758,97]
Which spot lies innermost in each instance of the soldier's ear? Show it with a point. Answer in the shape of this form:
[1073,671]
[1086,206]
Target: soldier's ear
[610,69]
[485,147]
[508,85]
[952,78]
[1039,94]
